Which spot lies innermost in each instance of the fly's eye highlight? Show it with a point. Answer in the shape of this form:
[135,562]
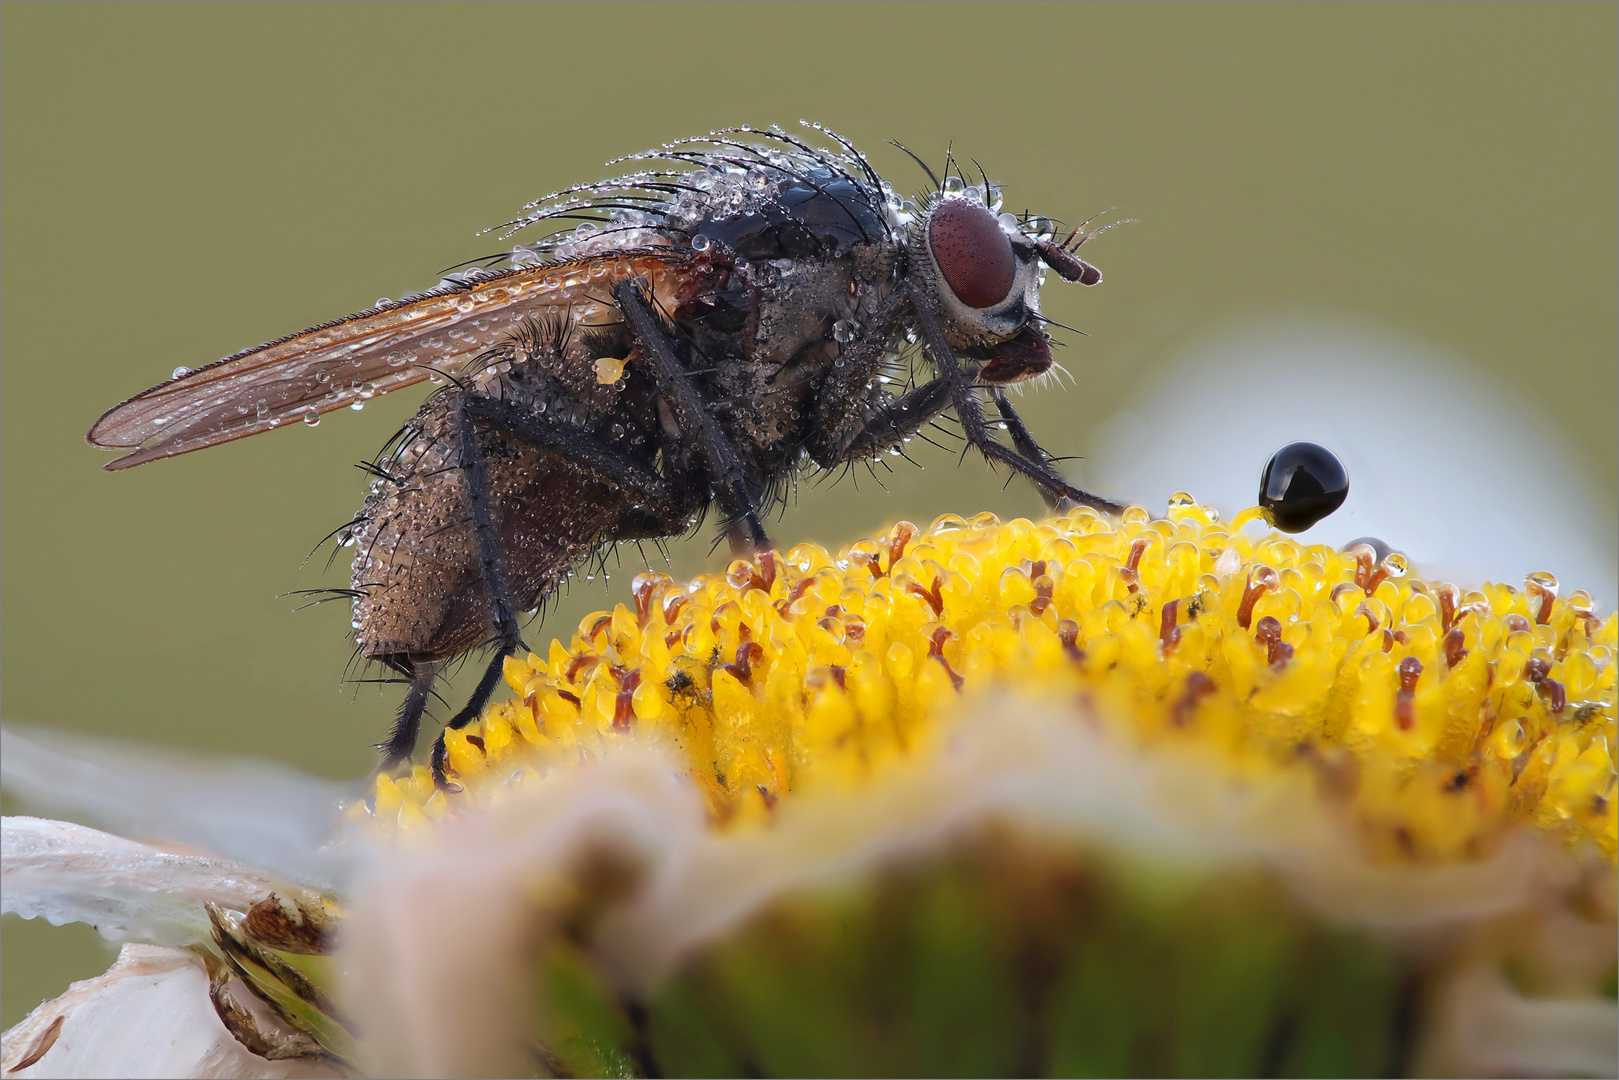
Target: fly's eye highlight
[973,252]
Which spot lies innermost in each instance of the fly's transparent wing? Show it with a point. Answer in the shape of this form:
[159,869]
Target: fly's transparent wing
[335,365]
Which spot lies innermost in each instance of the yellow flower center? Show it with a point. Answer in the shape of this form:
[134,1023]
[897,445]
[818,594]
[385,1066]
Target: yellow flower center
[1437,717]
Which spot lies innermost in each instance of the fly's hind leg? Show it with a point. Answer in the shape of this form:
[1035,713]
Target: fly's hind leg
[407,723]
[491,564]
[579,448]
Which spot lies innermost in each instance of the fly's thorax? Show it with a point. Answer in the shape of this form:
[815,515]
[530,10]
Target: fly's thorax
[783,326]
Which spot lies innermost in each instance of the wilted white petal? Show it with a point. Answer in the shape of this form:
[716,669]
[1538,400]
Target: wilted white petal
[262,813]
[69,873]
[148,1016]
[432,1006]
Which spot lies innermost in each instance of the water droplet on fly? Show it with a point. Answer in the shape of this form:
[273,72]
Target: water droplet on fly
[356,405]
[699,242]
[845,330]
[1301,484]
[159,421]
[436,378]
[953,185]
[1180,500]
[262,408]
[1395,565]
[312,418]
[368,390]
[180,372]
[383,301]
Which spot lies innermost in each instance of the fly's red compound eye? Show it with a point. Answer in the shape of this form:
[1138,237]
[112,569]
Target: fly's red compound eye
[973,252]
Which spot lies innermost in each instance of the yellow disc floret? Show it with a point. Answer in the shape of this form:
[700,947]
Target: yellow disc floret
[1437,717]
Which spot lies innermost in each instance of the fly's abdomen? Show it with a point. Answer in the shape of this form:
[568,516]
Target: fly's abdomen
[416,566]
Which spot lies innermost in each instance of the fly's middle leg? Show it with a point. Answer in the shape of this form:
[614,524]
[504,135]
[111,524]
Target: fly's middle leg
[692,412]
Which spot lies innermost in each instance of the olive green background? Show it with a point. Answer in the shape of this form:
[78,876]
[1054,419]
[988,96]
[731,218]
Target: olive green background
[180,181]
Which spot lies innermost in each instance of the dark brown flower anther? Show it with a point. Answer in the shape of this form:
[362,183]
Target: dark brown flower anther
[1166,621]
[903,534]
[934,596]
[1269,634]
[1365,564]
[936,651]
[869,561]
[1138,547]
[1261,579]
[1410,670]
[1068,634]
[1454,644]
[1449,598]
[1198,687]
[1541,586]
[769,567]
[1044,589]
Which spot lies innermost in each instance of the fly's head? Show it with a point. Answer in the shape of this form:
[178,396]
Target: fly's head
[983,272]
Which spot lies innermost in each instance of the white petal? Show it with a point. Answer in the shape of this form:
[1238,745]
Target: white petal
[67,873]
[257,811]
[148,1016]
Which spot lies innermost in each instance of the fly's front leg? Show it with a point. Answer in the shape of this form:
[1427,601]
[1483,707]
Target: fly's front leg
[691,411]
[1023,440]
[864,435]
[1053,486]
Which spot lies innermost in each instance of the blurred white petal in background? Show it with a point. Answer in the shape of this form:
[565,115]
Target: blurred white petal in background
[1468,482]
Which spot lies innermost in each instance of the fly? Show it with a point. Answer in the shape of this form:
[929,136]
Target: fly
[725,313]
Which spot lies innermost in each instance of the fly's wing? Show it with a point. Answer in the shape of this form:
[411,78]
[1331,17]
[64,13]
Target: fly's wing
[358,357]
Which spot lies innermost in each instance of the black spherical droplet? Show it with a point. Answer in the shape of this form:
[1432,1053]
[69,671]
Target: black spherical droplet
[1302,483]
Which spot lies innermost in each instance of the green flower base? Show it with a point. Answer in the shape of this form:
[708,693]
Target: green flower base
[1000,959]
